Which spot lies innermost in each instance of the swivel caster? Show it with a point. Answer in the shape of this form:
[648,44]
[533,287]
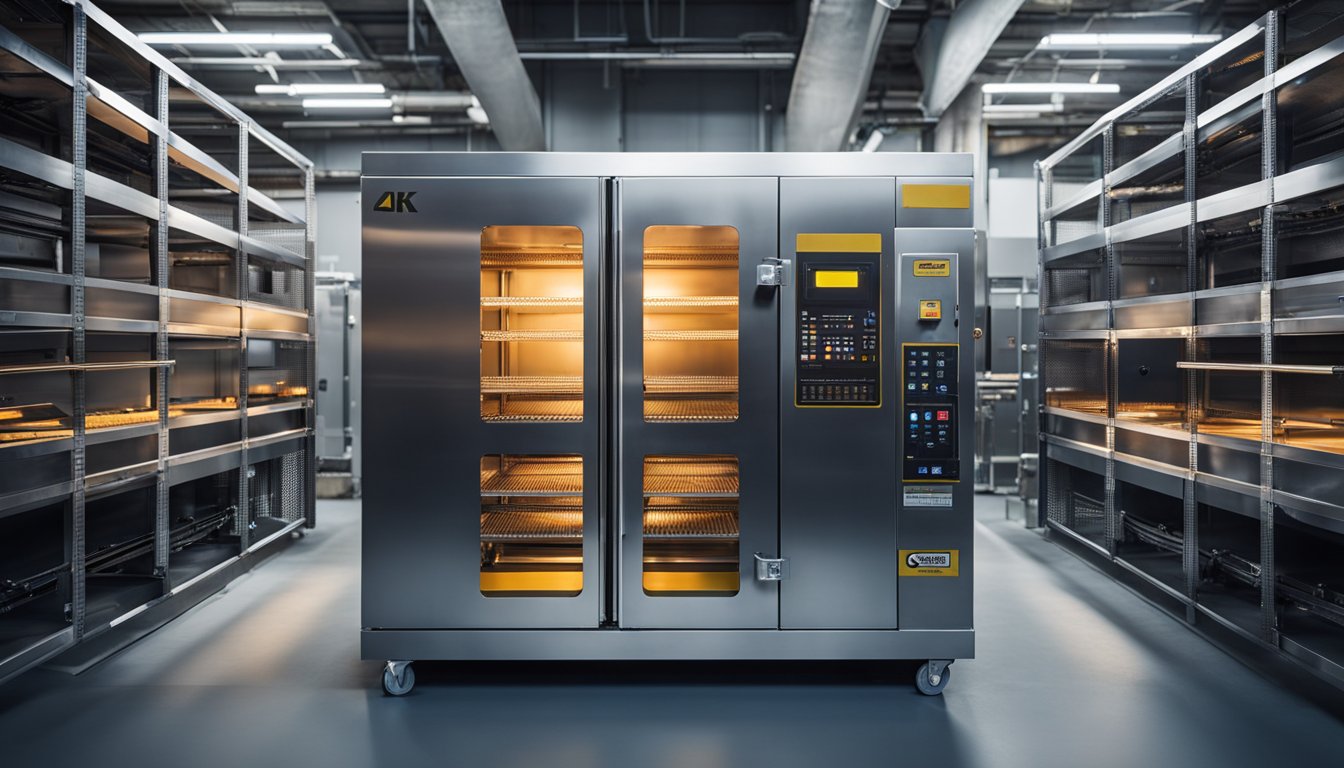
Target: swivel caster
[398,678]
[932,676]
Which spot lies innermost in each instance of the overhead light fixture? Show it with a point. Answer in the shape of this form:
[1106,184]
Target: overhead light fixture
[311,89]
[347,103]
[1083,41]
[252,62]
[1000,109]
[874,141]
[273,39]
[997,88]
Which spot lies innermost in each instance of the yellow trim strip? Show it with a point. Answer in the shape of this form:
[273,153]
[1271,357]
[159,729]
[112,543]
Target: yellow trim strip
[858,242]
[936,196]
[691,581]
[532,581]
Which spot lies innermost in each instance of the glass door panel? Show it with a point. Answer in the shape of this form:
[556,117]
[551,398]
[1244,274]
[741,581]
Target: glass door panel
[691,526]
[531,324]
[531,526]
[690,323]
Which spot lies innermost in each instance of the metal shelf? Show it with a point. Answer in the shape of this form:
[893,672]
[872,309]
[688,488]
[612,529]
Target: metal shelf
[690,335]
[675,303]
[690,410]
[675,519]
[532,259]
[535,303]
[690,477]
[534,477]
[535,385]
[532,523]
[1264,430]
[74,209]
[678,385]
[537,335]
[525,408]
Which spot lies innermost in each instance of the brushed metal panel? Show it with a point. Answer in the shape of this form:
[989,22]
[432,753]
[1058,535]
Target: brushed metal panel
[750,205]
[421,371]
[837,465]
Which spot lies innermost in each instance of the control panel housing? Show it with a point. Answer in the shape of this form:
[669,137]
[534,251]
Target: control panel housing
[839,330]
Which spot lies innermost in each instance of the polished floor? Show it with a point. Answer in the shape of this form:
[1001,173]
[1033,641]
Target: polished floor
[1073,670]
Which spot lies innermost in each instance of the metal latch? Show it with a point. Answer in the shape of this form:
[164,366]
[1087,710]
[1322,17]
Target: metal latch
[771,568]
[772,271]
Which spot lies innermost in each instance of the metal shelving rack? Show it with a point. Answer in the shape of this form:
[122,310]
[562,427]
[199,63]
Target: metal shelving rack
[156,327]
[1191,329]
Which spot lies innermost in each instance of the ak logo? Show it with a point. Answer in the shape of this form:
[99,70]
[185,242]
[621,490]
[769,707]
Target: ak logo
[395,202]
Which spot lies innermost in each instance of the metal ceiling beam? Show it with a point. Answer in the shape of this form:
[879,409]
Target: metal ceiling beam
[949,53]
[833,70]
[478,35]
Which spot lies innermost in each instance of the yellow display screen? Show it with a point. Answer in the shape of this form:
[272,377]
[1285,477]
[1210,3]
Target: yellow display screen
[833,278]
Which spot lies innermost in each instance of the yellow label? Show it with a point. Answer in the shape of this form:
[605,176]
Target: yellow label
[933,268]
[861,242]
[837,279]
[930,309]
[929,562]
[936,196]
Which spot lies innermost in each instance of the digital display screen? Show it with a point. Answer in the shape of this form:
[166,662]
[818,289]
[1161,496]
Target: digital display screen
[832,278]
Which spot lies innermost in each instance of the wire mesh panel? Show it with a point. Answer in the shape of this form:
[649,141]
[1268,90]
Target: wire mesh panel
[1076,279]
[1075,372]
[276,494]
[1074,499]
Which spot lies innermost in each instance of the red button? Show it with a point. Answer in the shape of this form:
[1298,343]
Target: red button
[944,415]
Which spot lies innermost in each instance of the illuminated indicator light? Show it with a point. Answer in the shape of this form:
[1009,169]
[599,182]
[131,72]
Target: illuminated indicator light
[837,279]
[944,415]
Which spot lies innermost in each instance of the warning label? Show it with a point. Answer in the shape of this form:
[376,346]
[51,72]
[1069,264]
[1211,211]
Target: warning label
[927,496]
[929,562]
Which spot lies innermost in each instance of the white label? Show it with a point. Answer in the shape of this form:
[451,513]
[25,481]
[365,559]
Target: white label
[928,496]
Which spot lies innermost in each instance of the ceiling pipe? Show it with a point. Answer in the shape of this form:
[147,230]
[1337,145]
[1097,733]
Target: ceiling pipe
[834,67]
[404,101]
[949,53]
[479,38]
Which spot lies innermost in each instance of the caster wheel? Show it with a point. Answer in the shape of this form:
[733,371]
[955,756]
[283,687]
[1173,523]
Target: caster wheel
[398,685]
[926,684]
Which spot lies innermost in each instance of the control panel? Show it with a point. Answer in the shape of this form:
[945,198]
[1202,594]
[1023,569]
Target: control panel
[838,327]
[929,411]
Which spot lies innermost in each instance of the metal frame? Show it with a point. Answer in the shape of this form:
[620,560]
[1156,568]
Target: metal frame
[1216,469]
[172,317]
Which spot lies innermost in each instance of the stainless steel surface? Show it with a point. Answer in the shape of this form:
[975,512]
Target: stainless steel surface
[685,463]
[827,452]
[107,463]
[1218,336]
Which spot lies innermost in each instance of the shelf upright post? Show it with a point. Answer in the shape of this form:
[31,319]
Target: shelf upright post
[1043,203]
[1110,504]
[1269,166]
[243,515]
[310,304]
[1190,509]
[162,535]
[79,150]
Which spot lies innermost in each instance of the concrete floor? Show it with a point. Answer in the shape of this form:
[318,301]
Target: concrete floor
[1073,670]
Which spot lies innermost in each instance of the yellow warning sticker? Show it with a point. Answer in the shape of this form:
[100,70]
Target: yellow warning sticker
[929,562]
[933,267]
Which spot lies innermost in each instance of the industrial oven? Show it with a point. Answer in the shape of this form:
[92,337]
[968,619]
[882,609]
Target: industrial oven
[667,406]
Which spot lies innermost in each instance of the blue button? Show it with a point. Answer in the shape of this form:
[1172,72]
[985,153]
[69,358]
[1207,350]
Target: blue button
[923,470]
[937,470]
[928,415]
[914,416]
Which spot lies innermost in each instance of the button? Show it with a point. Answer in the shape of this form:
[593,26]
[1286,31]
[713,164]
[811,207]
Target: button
[937,470]
[914,416]
[944,415]
[928,415]
[922,470]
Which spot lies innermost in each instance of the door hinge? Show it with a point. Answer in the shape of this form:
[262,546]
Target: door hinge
[773,272]
[771,568]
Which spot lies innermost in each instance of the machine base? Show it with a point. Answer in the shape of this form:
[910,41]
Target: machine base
[665,645]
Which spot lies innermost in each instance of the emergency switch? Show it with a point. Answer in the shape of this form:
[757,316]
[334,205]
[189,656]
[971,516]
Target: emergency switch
[930,309]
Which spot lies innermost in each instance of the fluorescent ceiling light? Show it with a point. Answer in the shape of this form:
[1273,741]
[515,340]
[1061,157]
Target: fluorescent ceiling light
[1091,41]
[347,103]
[310,89]
[993,88]
[1012,108]
[874,141]
[287,39]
